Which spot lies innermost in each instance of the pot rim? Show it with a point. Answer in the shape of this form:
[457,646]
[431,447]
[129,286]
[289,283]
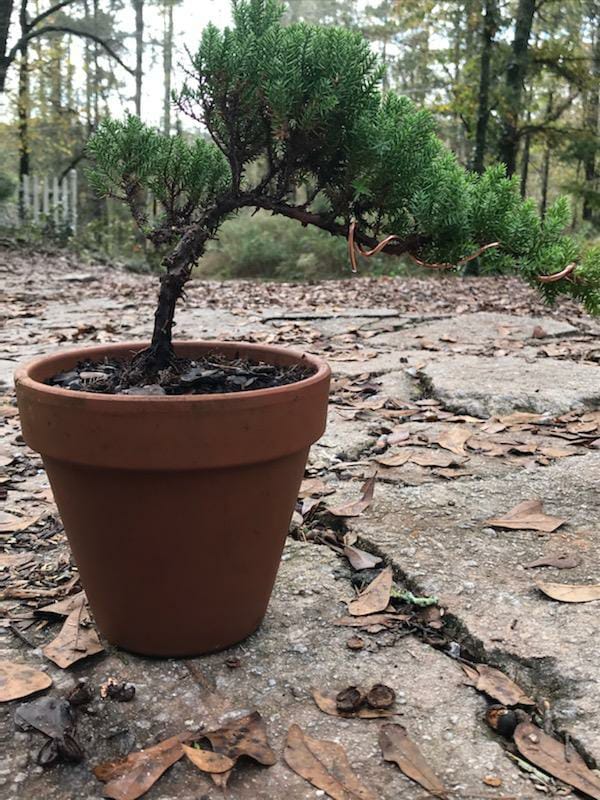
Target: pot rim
[22,374]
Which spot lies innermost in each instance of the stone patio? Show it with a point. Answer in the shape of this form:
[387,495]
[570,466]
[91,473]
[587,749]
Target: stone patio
[428,523]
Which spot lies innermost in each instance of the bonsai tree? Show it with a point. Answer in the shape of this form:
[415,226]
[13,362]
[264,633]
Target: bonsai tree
[302,105]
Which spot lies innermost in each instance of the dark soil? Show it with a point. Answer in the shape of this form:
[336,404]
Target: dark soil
[211,374]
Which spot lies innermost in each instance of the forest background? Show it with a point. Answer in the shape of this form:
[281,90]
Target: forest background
[515,81]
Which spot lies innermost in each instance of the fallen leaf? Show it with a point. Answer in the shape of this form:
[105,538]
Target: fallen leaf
[130,777]
[62,608]
[10,523]
[354,509]
[557,452]
[327,702]
[492,780]
[75,640]
[454,439]
[19,680]
[529,516]
[360,559]
[208,760]
[551,755]
[325,765]
[14,559]
[520,418]
[244,736]
[436,458]
[497,685]
[375,597]
[395,460]
[49,715]
[397,747]
[557,560]
[312,487]
[571,592]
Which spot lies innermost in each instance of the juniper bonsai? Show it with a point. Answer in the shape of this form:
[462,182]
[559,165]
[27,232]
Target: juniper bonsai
[300,107]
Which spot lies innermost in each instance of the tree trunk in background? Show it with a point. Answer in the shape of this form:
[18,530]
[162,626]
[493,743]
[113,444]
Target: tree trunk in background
[23,107]
[515,76]
[6,8]
[546,162]
[167,65]
[488,31]
[139,53]
[592,117]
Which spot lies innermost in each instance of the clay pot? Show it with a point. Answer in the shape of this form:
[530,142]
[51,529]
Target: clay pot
[176,508]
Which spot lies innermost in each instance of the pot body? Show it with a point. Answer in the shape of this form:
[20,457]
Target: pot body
[176,508]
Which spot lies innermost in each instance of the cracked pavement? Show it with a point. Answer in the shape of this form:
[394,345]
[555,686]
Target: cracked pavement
[425,362]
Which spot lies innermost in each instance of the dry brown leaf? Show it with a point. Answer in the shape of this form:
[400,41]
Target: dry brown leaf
[492,780]
[397,747]
[209,761]
[325,765]
[14,559]
[20,680]
[62,608]
[355,508]
[557,560]
[10,523]
[551,755]
[436,458]
[243,736]
[313,487]
[520,418]
[375,597]
[497,685]
[394,460]
[454,439]
[571,592]
[529,516]
[360,559]
[75,641]
[130,777]
[326,701]
[557,452]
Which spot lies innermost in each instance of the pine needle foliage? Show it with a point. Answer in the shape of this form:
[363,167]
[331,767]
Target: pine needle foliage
[298,111]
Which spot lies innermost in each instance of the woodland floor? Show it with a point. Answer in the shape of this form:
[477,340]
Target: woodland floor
[440,367]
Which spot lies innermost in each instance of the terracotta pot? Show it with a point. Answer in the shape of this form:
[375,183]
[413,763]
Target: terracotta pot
[176,508]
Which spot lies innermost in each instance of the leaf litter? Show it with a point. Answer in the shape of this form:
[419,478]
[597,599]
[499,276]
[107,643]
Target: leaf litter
[19,680]
[325,765]
[528,515]
[402,751]
[552,756]
[496,684]
[376,597]
[570,592]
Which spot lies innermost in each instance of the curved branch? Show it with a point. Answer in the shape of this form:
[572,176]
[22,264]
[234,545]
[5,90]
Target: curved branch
[49,11]
[557,276]
[45,29]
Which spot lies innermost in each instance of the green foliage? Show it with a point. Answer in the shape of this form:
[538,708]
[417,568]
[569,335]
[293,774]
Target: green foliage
[298,109]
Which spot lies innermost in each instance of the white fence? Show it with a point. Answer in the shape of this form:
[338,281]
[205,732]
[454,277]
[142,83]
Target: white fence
[47,200]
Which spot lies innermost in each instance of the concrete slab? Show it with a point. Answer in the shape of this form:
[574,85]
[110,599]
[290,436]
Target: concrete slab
[483,387]
[297,648]
[437,536]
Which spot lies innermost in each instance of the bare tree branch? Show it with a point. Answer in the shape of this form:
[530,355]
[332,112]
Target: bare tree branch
[52,10]
[46,29]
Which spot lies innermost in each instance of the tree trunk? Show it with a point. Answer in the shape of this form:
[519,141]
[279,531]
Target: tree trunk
[167,66]
[546,163]
[139,53]
[515,76]
[23,107]
[6,8]
[525,157]
[488,31]
[592,119]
